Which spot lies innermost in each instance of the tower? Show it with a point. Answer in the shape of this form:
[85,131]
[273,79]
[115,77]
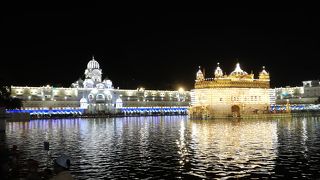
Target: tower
[199,76]
[264,75]
[218,72]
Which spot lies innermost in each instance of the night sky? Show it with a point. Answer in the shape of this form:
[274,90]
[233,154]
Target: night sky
[156,49]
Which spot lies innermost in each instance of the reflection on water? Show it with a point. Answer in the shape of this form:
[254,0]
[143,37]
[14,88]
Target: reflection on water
[234,148]
[173,146]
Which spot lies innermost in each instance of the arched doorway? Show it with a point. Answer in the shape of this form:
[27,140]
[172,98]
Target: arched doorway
[235,109]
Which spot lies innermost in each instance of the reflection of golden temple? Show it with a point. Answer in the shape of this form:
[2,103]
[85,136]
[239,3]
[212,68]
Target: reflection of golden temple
[233,95]
[288,108]
[248,145]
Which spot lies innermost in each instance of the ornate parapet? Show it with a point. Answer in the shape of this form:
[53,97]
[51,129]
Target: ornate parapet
[231,83]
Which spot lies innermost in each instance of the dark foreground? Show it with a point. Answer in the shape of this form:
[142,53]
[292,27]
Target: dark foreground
[174,147]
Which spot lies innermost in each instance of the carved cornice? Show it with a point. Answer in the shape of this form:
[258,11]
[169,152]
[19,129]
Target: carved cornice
[230,83]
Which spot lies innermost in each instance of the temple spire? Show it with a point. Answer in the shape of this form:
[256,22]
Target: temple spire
[218,71]
[200,75]
[264,75]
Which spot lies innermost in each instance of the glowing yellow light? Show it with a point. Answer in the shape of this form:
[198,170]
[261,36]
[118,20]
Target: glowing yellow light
[181,90]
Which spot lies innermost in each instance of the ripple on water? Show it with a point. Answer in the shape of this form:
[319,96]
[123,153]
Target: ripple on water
[175,147]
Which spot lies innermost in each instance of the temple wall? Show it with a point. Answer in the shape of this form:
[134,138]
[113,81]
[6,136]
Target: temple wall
[48,97]
[221,100]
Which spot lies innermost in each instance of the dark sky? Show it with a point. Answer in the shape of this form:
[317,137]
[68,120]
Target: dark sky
[157,49]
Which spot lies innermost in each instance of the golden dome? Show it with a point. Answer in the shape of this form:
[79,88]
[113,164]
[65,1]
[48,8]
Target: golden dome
[200,74]
[218,72]
[238,71]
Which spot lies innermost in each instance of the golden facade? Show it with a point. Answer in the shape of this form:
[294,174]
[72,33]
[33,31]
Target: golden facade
[231,95]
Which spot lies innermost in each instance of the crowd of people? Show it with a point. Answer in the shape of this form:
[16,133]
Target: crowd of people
[11,167]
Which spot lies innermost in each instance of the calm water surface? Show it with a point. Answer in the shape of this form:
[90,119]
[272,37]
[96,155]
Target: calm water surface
[175,147]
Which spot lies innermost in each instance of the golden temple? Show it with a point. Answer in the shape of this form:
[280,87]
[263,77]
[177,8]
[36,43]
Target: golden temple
[232,95]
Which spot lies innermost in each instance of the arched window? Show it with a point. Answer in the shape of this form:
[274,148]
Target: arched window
[100,97]
[90,97]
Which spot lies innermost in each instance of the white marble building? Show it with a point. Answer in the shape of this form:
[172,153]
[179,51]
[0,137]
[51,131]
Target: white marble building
[95,95]
[308,93]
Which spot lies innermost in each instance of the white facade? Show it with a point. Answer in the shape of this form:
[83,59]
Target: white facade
[96,96]
[272,95]
[309,93]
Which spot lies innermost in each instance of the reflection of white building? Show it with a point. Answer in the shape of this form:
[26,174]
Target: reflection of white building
[97,95]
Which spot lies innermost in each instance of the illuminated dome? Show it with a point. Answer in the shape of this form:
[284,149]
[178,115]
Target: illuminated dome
[83,103]
[100,86]
[264,75]
[238,71]
[83,100]
[264,72]
[218,72]
[93,64]
[88,83]
[79,81]
[108,83]
[119,100]
[119,103]
[200,74]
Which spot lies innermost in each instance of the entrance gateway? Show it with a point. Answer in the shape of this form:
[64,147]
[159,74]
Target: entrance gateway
[235,109]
